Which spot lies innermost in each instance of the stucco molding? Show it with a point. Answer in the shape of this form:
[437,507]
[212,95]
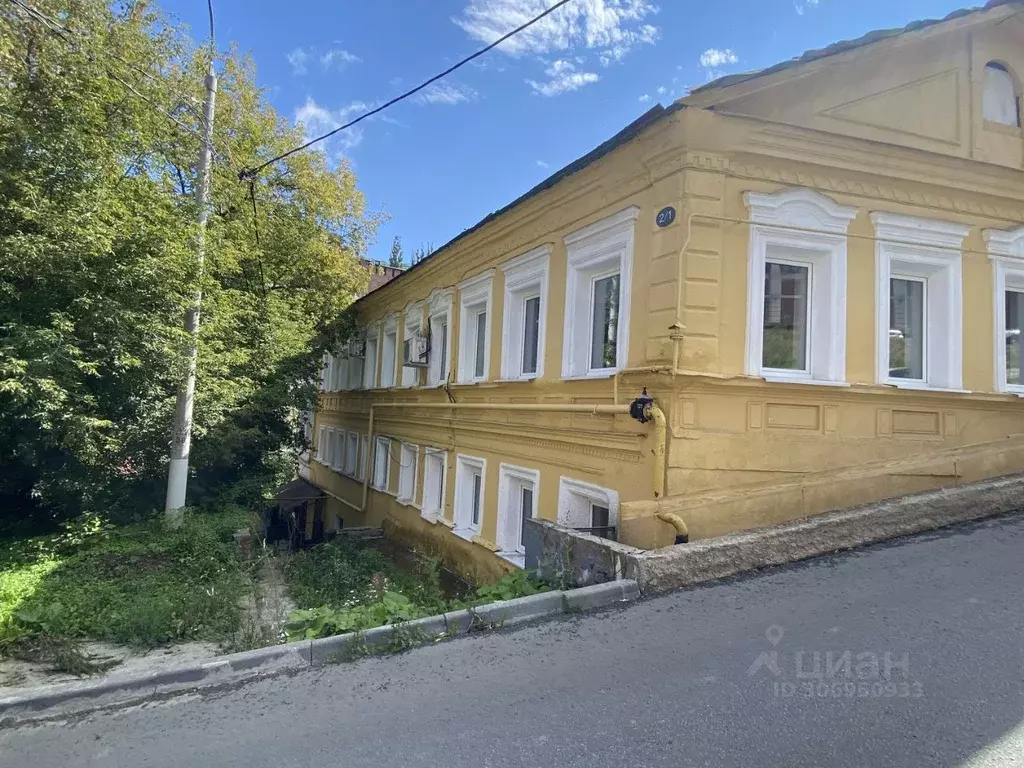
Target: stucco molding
[1005,243]
[800,207]
[934,233]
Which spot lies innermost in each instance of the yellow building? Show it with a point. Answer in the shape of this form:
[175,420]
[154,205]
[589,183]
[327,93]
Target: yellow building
[816,270]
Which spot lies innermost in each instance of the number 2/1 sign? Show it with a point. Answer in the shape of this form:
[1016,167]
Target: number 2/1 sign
[666,216]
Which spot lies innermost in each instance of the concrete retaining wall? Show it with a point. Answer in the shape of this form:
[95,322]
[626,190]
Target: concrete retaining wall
[573,559]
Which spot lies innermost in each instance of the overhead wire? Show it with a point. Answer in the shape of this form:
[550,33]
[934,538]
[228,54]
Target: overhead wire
[250,173]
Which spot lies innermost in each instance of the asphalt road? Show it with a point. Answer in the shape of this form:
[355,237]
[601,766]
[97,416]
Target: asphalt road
[688,679]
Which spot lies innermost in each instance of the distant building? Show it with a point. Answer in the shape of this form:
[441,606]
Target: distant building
[816,270]
[380,274]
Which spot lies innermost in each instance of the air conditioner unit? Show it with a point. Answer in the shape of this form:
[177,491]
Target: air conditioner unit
[415,352]
[357,348]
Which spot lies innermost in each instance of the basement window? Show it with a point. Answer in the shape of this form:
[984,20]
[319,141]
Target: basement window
[588,507]
[470,472]
[408,473]
[517,495]
[474,328]
[597,296]
[381,463]
[435,462]
[524,325]
[351,453]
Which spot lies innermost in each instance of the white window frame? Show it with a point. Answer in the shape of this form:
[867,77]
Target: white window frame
[381,477]
[474,294]
[364,455]
[338,463]
[511,480]
[575,499]
[356,372]
[823,253]
[389,369]
[1001,99]
[1006,251]
[931,250]
[439,310]
[435,471]
[371,362]
[328,458]
[413,325]
[466,467]
[592,253]
[351,453]
[408,473]
[321,439]
[526,277]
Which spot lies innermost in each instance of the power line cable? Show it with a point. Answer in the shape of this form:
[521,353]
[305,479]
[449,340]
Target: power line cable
[251,173]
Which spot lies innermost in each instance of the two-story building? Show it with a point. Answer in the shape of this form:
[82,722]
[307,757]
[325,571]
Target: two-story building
[816,270]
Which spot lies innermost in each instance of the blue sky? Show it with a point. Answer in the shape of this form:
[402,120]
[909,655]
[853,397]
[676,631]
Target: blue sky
[489,132]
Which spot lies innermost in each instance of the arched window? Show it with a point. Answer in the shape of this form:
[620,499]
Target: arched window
[1001,103]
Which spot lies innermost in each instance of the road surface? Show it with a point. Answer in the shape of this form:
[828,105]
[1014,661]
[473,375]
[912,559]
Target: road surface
[783,668]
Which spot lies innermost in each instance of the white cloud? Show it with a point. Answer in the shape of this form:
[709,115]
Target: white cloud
[645,98]
[662,90]
[445,93]
[713,58]
[562,78]
[802,6]
[338,57]
[317,120]
[297,59]
[542,164]
[610,27]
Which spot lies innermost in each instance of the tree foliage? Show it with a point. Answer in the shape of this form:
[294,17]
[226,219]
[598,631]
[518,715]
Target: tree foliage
[397,259]
[97,262]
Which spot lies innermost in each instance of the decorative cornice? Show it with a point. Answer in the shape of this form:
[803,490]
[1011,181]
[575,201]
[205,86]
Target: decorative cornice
[914,229]
[606,226]
[1005,243]
[802,208]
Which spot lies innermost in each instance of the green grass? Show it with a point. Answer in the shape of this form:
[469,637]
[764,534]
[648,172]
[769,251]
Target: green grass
[341,586]
[140,585]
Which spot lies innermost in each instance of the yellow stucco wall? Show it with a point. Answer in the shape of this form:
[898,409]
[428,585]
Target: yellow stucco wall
[742,451]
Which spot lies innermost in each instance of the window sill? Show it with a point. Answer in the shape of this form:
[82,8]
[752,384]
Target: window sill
[596,375]
[1004,128]
[465,533]
[472,383]
[480,541]
[519,379]
[518,559]
[439,520]
[923,387]
[794,380]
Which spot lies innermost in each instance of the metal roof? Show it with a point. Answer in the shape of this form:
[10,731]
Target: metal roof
[848,45]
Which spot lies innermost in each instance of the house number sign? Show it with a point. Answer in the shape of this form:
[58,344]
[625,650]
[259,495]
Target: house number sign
[666,216]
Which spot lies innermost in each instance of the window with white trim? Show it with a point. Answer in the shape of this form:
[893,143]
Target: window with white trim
[796,289]
[439,312]
[329,447]
[370,363]
[1006,250]
[413,325]
[474,328]
[1000,100]
[321,440]
[597,296]
[470,473]
[408,473]
[355,372]
[919,303]
[517,502]
[586,506]
[364,455]
[351,453]
[523,321]
[389,352]
[338,462]
[435,463]
[381,464]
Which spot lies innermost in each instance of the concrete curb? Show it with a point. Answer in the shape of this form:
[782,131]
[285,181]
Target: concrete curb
[239,667]
[680,566]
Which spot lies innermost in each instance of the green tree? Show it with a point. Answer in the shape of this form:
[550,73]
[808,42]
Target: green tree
[396,259]
[422,252]
[97,265]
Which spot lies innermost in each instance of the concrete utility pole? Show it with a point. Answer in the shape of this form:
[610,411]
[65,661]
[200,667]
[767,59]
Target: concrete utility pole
[181,434]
